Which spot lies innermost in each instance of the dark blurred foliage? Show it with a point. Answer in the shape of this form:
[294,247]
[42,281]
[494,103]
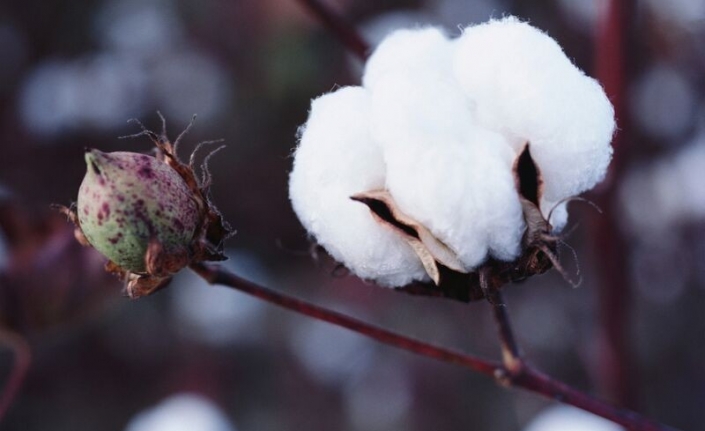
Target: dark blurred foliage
[72,73]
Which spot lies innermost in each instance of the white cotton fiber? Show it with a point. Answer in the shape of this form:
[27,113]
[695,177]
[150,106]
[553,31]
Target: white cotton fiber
[526,88]
[336,159]
[442,169]
[408,52]
[439,124]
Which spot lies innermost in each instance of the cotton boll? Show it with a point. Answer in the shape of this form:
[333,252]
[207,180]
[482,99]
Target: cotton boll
[336,159]
[527,89]
[445,172]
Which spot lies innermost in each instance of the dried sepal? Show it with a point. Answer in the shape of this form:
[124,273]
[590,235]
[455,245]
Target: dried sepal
[430,250]
[539,248]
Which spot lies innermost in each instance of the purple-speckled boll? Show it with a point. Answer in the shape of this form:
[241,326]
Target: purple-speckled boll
[126,199]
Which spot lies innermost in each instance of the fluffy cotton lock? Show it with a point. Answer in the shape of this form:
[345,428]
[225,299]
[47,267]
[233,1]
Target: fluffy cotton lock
[439,123]
[452,176]
[336,159]
[526,88]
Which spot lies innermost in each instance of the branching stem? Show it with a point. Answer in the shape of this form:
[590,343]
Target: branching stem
[21,351]
[514,371]
[338,26]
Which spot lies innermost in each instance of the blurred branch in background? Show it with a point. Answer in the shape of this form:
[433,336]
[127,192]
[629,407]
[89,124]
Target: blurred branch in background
[337,25]
[21,361]
[615,370]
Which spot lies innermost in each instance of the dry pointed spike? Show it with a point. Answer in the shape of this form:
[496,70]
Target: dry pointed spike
[575,256]
[205,173]
[153,136]
[161,117]
[567,233]
[183,133]
[570,199]
[429,249]
[557,265]
[164,147]
[192,159]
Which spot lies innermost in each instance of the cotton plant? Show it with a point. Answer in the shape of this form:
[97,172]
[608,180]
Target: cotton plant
[454,156]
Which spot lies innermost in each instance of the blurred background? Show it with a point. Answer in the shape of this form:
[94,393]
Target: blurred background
[205,358]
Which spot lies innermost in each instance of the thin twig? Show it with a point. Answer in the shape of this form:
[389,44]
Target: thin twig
[515,372]
[336,24]
[217,275]
[20,349]
[511,355]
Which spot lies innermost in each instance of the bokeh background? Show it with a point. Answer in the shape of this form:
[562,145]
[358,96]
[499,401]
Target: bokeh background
[207,358]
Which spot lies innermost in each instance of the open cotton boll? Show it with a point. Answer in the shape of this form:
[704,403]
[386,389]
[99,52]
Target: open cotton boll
[407,51]
[336,159]
[445,172]
[526,88]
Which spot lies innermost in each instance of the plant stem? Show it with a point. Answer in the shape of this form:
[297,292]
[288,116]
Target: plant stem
[519,373]
[514,372]
[346,33]
[615,370]
[20,349]
[216,275]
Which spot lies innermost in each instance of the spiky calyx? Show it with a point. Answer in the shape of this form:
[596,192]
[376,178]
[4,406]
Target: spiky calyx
[150,216]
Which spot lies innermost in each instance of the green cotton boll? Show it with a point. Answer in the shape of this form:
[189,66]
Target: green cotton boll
[128,199]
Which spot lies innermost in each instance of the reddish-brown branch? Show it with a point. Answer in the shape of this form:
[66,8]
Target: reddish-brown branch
[514,372]
[21,351]
[216,275]
[614,367]
[337,25]
[518,373]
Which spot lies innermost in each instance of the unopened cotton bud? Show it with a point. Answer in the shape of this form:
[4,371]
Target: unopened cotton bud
[127,200]
[149,215]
